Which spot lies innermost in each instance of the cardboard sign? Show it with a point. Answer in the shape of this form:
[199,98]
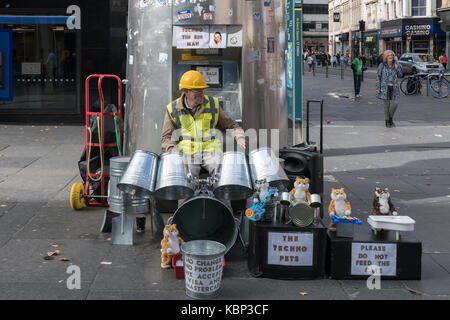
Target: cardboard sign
[192,37]
[382,255]
[290,248]
[203,276]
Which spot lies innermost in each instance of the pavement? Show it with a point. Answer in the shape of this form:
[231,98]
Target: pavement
[38,165]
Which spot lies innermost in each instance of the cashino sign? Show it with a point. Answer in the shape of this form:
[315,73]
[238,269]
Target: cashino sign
[418,29]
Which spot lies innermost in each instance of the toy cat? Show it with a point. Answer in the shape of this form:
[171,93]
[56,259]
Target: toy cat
[170,245]
[339,205]
[381,204]
[300,193]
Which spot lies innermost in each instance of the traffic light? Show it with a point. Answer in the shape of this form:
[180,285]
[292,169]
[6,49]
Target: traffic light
[362,25]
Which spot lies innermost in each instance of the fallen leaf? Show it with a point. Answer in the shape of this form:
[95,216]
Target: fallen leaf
[427,178]
[3,205]
[396,190]
[381,134]
[53,253]
[105,262]
[394,138]
[108,239]
[361,178]
[55,245]
[64,259]
[303,293]
[405,175]
[48,258]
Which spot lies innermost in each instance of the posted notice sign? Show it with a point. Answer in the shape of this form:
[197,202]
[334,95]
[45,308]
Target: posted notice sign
[193,37]
[383,256]
[290,248]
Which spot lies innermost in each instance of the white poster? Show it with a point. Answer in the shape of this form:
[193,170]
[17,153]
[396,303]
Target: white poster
[382,255]
[290,248]
[211,74]
[192,37]
[218,37]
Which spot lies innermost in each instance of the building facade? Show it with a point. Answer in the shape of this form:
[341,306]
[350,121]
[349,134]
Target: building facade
[398,25]
[50,47]
[444,13]
[315,25]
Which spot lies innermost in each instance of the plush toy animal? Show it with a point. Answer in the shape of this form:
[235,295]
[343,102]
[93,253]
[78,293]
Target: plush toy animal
[381,204]
[170,245]
[339,206]
[301,193]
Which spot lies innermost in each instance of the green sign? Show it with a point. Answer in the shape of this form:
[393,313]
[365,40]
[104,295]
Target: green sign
[294,63]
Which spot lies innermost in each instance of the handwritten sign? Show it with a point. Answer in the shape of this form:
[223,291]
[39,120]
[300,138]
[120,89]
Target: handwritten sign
[211,74]
[193,37]
[203,276]
[290,249]
[382,255]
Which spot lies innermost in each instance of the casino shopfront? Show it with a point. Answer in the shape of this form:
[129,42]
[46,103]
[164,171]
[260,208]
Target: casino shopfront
[412,35]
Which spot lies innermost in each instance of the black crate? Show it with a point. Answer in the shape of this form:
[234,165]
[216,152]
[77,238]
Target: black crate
[297,252]
[408,257]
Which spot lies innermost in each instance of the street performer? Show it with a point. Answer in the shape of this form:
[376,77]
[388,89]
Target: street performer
[197,117]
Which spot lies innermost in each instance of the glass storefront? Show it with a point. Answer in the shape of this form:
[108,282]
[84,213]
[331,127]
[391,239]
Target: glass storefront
[371,49]
[46,68]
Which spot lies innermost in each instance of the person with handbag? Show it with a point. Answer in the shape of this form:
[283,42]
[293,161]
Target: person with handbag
[387,86]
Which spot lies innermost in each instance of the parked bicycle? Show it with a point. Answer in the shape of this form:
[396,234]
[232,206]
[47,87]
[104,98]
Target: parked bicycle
[440,88]
[412,84]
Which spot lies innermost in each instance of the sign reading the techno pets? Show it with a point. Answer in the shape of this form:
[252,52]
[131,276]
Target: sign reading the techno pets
[203,276]
[290,249]
[383,256]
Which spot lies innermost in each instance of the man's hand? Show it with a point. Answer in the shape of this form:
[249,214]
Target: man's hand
[171,149]
[395,66]
[242,143]
[378,91]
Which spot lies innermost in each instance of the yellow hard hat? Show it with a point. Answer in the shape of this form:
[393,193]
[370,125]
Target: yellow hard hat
[192,80]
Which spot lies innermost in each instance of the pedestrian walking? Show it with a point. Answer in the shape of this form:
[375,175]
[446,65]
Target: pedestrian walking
[444,61]
[334,61]
[357,66]
[387,87]
[309,61]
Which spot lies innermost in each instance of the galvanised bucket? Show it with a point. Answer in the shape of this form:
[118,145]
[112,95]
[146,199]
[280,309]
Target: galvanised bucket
[234,180]
[203,265]
[264,165]
[118,201]
[138,181]
[172,182]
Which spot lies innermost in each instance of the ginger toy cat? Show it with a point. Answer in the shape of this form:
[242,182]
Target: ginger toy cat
[301,193]
[339,206]
[170,245]
[381,204]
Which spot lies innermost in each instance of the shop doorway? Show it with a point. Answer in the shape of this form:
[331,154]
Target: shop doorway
[45,64]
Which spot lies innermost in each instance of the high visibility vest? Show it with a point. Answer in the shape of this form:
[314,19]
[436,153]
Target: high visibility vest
[199,134]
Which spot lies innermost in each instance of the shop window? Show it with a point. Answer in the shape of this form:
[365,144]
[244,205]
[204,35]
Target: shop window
[418,8]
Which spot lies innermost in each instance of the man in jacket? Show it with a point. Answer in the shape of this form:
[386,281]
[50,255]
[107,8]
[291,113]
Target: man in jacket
[192,122]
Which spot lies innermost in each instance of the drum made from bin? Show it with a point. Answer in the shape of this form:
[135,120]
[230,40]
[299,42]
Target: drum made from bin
[138,180]
[203,264]
[234,179]
[172,182]
[264,165]
[204,217]
[302,215]
[118,201]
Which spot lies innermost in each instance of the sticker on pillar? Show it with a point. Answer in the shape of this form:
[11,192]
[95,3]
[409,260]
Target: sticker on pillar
[277,4]
[256,15]
[130,59]
[271,13]
[253,56]
[260,81]
[184,15]
[230,12]
[273,88]
[270,45]
[218,37]
[163,57]
[267,3]
[212,8]
[207,16]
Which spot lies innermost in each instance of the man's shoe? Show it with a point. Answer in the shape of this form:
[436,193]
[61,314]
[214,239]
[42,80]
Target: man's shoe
[388,124]
[392,123]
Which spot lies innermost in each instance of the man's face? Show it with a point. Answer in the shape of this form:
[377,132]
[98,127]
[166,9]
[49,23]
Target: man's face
[195,97]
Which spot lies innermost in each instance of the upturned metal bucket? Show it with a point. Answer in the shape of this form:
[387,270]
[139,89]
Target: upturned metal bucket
[264,165]
[203,265]
[302,215]
[138,181]
[172,182]
[204,217]
[117,199]
[234,179]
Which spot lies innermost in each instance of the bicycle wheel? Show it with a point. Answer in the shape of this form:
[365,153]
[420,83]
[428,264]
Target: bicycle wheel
[440,89]
[408,87]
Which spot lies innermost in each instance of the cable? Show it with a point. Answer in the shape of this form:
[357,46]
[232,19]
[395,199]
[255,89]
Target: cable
[117,136]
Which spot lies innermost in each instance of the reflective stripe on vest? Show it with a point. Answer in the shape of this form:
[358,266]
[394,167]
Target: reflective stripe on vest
[199,134]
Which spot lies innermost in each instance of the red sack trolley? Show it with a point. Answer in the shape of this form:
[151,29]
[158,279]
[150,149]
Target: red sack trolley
[80,193]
